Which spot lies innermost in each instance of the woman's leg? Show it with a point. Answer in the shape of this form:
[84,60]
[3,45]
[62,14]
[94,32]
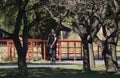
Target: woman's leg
[54,56]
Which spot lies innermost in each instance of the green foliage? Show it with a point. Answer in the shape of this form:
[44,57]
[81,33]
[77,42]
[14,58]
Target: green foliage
[8,12]
[45,19]
[5,59]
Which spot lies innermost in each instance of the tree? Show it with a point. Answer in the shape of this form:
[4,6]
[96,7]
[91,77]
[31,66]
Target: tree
[89,17]
[106,18]
[110,29]
[70,7]
[22,21]
[94,16]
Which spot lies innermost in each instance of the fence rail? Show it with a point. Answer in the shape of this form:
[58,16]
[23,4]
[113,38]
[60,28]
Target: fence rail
[66,49]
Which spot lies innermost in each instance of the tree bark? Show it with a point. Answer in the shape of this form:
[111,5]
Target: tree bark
[109,63]
[22,66]
[21,46]
[114,55]
[86,63]
[109,55]
[91,55]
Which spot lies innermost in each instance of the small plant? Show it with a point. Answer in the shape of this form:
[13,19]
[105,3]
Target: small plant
[5,59]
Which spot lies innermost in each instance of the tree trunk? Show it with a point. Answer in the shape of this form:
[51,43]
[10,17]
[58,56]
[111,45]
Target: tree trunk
[91,55]
[22,66]
[114,55]
[109,63]
[86,63]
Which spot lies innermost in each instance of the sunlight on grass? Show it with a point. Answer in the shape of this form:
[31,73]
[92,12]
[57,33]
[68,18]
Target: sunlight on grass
[71,67]
[60,72]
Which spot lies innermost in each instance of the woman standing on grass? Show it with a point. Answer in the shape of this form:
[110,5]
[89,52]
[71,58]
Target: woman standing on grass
[51,44]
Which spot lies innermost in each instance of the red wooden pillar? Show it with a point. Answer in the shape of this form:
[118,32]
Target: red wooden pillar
[74,51]
[59,50]
[10,50]
[81,50]
[30,49]
[37,48]
[98,52]
[7,52]
[10,57]
[44,50]
[68,50]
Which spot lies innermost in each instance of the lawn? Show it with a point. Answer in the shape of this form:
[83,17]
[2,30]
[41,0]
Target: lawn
[59,72]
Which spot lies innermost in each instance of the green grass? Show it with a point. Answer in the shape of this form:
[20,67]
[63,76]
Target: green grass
[60,72]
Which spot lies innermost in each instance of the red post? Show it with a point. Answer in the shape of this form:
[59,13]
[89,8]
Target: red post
[81,51]
[10,54]
[98,52]
[44,51]
[10,50]
[37,47]
[74,51]
[59,50]
[7,52]
[68,50]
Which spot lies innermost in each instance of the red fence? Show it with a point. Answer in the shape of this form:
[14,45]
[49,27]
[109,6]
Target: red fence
[69,49]
[66,49]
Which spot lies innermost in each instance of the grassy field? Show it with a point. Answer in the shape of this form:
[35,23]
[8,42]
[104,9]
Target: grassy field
[59,72]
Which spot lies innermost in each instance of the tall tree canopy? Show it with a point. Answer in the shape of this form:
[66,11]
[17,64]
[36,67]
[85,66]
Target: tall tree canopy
[21,15]
[86,17]
[89,16]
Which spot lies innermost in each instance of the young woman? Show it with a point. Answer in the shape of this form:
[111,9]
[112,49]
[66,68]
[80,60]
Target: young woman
[51,43]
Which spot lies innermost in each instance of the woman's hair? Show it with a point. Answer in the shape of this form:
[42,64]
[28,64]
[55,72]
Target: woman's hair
[52,31]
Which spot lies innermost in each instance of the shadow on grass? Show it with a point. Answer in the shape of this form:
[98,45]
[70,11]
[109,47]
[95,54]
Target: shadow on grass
[57,73]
